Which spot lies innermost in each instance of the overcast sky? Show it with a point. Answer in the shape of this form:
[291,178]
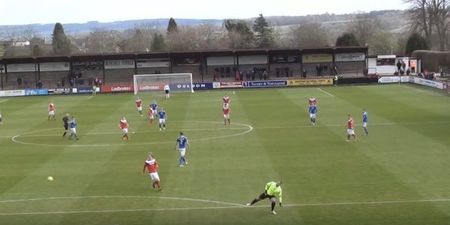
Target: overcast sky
[13,12]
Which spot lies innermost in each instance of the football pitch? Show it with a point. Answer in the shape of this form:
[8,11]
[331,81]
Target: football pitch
[399,174]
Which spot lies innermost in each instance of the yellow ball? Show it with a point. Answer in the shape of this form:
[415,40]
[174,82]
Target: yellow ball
[50,178]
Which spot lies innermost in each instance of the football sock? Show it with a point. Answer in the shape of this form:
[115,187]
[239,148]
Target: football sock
[366,131]
[272,205]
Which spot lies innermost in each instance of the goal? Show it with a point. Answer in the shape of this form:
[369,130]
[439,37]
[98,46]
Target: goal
[178,82]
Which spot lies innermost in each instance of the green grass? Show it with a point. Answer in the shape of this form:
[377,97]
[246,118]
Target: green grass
[400,174]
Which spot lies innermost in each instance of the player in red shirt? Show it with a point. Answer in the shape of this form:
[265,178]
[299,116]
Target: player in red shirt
[51,111]
[350,128]
[150,115]
[139,105]
[312,101]
[226,113]
[151,166]
[123,125]
[226,99]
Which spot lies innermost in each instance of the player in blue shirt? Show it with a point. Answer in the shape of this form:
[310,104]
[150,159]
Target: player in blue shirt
[365,119]
[312,114]
[162,119]
[154,107]
[73,128]
[182,144]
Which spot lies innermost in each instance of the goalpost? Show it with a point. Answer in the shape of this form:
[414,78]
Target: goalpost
[178,82]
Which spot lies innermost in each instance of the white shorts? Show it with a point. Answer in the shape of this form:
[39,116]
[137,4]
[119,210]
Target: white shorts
[226,116]
[364,124]
[73,130]
[154,176]
[162,121]
[351,131]
[125,130]
[51,113]
[182,152]
[139,108]
[312,115]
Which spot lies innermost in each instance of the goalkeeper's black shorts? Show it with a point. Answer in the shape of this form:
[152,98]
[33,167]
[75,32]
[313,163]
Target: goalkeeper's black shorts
[264,195]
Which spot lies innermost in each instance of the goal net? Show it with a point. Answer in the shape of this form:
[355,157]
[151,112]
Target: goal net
[178,82]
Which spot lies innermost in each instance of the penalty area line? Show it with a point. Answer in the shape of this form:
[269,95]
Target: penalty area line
[326,92]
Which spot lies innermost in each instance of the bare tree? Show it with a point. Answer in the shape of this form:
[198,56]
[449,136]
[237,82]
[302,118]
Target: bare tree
[382,43]
[137,40]
[431,18]
[202,37]
[440,11]
[364,27]
[308,35]
[103,41]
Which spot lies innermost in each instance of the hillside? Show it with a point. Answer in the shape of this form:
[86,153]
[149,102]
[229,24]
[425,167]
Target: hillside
[392,20]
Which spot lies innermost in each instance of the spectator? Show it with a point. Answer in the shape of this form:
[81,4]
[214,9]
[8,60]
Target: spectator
[19,82]
[248,75]
[39,84]
[265,75]
[335,70]
[304,73]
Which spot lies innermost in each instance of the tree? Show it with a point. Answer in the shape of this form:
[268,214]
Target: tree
[420,19]
[382,43]
[431,19]
[415,42]
[172,26]
[308,35]
[364,27]
[440,11]
[36,50]
[103,41]
[239,34]
[347,39]
[61,44]
[158,42]
[137,40]
[263,33]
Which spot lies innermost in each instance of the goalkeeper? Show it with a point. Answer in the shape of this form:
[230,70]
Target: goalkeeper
[272,191]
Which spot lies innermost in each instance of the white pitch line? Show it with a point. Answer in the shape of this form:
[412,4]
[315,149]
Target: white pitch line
[341,125]
[244,131]
[326,92]
[140,132]
[118,197]
[4,100]
[228,205]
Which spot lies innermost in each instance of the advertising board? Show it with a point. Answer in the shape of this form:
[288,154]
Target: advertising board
[310,82]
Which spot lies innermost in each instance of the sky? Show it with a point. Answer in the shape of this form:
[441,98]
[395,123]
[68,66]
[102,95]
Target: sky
[16,12]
